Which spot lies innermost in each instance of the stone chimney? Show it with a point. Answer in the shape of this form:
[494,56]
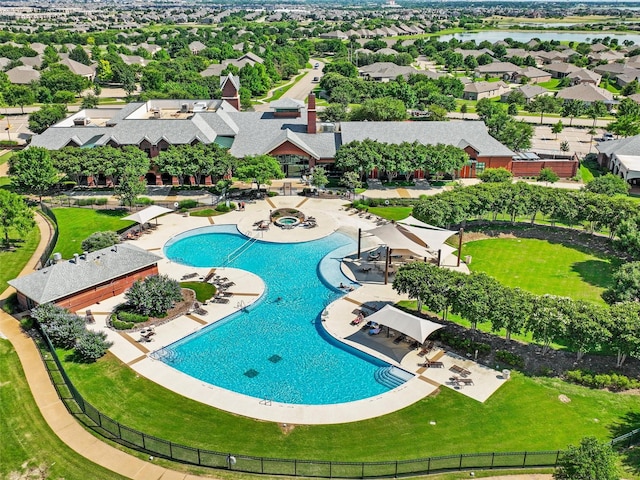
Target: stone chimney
[311,114]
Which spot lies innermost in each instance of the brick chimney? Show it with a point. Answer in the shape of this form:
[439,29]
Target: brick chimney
[311,114]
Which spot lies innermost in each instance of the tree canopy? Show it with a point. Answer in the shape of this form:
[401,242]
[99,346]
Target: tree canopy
[591,460]
[32,171]
[15,215]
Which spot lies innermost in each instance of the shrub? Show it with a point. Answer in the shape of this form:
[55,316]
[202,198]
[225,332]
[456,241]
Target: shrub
[83,202]
[143,201]
[26,323]
[61,326]
[510,358]
[99,240]
[118,325]
[154,295]
[222,207]
[272,194]
[101,201]
[90,346]
[132,317]
[464,344]
[611,381]
[11,305]
[187,204]
[8,143]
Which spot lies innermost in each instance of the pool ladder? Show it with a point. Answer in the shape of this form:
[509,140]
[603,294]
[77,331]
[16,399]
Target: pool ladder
[233,256]
[266,401]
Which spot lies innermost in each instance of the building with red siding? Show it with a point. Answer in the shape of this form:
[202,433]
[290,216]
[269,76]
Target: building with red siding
[86,279]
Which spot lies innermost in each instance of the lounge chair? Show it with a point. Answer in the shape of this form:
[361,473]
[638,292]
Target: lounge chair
[220,300]
[430,364]
[358,320]
[227,284]
[200,311]
[374,255]
[399,339]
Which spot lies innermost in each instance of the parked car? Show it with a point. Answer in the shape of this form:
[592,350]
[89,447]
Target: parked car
[316,79]
[607,136]
[316,66]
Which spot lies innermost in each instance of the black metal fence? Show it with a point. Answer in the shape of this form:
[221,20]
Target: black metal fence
[158,447]
[44,258]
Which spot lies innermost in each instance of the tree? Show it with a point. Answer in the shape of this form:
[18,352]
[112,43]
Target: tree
[564,146]
[543,104]
[343,67]
[130,186]
[59,77]
[496,175]
[356,156]
[89,101]
[591,460]
[625,330]
[99,240]
[15,215]
[572,109]
[90,346]
[319,177]
[80,55]
[626,284]
[63,97]
[596,110]
[380,110]
[609,185]
[19,95]
[154,295]
[259,168]
[630,88]
[548,319]
[515,135]
[48,115]
[588,327]
[557,128]
[463,109]
[547,175]
[625,126]
[32,171]
[334,112]
[516,97]
[351,180]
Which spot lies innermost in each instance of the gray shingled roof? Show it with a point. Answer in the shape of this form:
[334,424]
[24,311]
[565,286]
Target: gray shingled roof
[586,92]
[624,146]
[455,133]
[67,277]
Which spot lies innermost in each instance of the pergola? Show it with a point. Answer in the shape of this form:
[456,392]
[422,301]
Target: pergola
[416,237]
[412,326]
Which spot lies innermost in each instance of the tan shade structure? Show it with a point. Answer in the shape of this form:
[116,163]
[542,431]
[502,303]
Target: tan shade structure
[146,214]
[395,238]
[431,238]
[410,325]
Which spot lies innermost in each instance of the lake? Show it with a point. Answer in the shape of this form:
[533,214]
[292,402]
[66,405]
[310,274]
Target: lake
[494,36]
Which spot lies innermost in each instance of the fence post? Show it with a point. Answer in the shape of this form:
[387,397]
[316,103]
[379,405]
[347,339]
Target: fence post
[362,470]
[557,457]
[524,459]
[428,465]
[493,455]
[460,465]
[199,459]
[396,475]
[330,470]
[261,464]
[295,467]
[171,449]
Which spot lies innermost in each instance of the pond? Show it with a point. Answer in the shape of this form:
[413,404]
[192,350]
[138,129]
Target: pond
[494,36]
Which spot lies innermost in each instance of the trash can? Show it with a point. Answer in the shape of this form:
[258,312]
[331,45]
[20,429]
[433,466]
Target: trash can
[506,374]
[467,259]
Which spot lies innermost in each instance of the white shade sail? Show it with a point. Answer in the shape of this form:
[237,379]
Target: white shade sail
[146,214]
[391,236]
[410,325]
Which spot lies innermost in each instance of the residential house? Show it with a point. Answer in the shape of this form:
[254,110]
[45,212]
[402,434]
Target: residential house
[560,69]
[498,69]
[86,71]
[196,47]
[134,60]
[531,75]
[35,62]
[23,75]
[585,76]
[335,35]
[386,71]
[529,91]
[606,56]
[480,90]
[587,93]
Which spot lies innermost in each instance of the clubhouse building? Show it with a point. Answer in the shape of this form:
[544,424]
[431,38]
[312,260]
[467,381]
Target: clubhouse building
[290,133]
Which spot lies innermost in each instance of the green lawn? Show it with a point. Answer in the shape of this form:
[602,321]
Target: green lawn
[551,84]
[391,213]
[542,267]
[5,158]
[12,262]
[207,212]
[76,224]
[204,290]
[524,414]
[26,437]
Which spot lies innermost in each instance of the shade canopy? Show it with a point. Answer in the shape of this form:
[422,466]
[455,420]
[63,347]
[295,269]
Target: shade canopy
[410,325]
[394,238]
[146,214]
[431,238]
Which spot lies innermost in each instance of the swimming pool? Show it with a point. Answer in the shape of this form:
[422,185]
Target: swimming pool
[277,348]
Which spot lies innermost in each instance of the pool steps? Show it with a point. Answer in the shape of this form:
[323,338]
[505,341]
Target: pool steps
[391,377]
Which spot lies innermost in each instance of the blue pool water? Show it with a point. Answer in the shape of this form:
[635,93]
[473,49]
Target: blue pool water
[277,348]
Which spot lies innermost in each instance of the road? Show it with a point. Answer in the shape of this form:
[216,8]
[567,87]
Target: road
[300,90]
[577,122]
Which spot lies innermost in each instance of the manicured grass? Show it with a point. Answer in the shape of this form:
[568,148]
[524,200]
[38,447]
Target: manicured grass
[542,267]
[551,84]
[12,262]
[207,212]
[524,414]
[585,173]
[5,158]
[76,224]
[391,213]
[26,437]
[5,181]
[204,290]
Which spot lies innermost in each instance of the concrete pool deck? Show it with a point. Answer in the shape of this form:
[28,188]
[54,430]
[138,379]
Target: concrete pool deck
[331,216]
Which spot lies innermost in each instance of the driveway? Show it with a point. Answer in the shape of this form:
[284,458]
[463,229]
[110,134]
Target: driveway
[301,89]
